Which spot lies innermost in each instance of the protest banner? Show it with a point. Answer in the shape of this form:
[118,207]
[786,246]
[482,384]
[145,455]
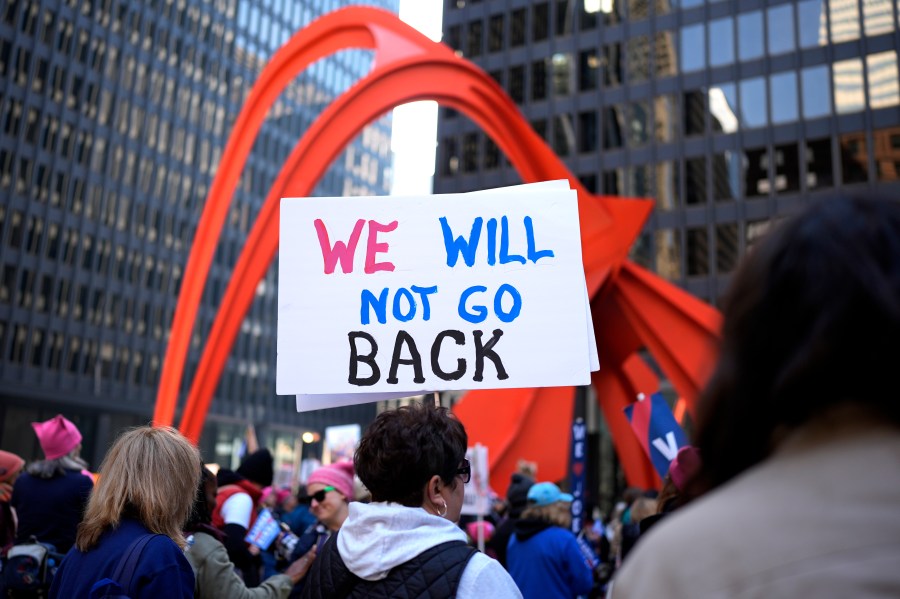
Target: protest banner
[476,501]
[385,297]
[657,430]
[577,460]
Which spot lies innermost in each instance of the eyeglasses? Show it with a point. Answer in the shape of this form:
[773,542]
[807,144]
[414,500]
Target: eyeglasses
[319,495]
[465,471]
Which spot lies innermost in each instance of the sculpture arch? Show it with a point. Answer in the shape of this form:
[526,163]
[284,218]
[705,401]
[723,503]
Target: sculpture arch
[633,309]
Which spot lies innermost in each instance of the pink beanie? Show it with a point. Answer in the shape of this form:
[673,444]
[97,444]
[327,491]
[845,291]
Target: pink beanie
[339,476]
[58,436]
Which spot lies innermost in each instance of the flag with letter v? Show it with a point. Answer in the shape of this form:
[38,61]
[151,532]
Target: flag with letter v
[657,430]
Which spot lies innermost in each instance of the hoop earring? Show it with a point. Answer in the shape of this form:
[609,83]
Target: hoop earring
[444,513]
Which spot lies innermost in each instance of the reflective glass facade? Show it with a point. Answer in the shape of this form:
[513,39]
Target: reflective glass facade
[113,118]
[727,113]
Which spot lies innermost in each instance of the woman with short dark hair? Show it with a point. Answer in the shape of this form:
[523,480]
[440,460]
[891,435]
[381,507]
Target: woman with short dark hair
[799,426]
[412,460]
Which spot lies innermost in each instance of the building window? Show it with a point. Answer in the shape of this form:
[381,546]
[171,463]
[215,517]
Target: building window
[451,156]
[697,257]
[587,131]
[726,247]
[750,35]
[668,254]
[819,171]
[695,181]
[754,102]
[816,92]
[721,42]
[491,154]
[638,124]
[811,24]
[474,39]
[854,157]
[588,65]
[638,9]
[784,97]
[694,113]
[540,127]
[613,73]
[668,182]
[666,118]
[787,168]
[562,74]
[538,80]
[844,21]
[756,172]
[564,16]
[884,89]
[780,28]
[664,53]
[886,144]
[587,13]
[454,37]
[517,28]
[849,92]
[725,170]
[877,17]
[563,135]
[495,35]
[613,127]
[517,84]
[693,48]
[638,58]
[540,22]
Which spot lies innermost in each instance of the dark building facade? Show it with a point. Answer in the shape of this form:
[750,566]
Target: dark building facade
[113,117]
[728,114]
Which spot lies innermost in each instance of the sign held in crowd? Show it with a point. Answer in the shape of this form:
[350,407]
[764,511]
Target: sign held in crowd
[395,296]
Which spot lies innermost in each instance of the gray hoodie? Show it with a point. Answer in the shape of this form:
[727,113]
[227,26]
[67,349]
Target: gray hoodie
[377,537]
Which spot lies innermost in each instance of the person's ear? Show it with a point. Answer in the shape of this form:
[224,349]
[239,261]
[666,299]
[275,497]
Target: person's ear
[433,489]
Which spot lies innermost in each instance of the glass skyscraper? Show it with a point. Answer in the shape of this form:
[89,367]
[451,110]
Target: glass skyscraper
[113,118]
[728,114]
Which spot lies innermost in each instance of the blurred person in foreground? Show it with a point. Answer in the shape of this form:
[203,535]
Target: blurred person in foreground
[215,574]
[543,555]
[49,497]
[146,488]
[799,426]
[406,542]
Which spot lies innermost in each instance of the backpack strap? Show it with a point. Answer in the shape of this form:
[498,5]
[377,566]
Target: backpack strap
[128,563]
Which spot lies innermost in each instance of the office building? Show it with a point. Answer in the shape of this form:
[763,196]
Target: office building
[729,114]
[113,118]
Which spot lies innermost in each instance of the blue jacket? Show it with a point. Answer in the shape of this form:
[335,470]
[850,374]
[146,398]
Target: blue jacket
[546,563]
[162,573]
[50,508]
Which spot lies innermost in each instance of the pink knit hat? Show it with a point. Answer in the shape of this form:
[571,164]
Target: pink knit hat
[58,436]
[685,465]
[338,475]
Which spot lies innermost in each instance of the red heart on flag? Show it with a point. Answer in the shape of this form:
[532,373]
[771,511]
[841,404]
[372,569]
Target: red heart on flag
[578,468]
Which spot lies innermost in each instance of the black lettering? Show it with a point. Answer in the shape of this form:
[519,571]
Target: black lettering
[457,374]
[487,351]
[415,360]
[356,358]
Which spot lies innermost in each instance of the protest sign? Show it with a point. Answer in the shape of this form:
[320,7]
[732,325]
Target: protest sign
[657,430]
[476,500]
[264,530]
[386,297]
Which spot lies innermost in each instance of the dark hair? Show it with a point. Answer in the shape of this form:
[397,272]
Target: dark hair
[811,321]
[403,448]
[201,513]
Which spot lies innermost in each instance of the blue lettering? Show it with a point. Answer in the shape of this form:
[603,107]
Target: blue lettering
[459,245]
[368,301]
[410,302]
[424,292]
[479,313]
[505,256]
[492,241]
[533,255]
[516,303]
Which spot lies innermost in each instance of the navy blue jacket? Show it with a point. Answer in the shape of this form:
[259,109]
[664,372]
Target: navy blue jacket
[50,508]
[162,573]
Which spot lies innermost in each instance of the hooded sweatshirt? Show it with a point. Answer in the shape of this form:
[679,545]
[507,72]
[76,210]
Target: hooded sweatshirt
[546,562]
[377,537]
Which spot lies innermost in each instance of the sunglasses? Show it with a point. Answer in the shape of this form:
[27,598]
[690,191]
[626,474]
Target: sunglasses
[319,495]
[465,471]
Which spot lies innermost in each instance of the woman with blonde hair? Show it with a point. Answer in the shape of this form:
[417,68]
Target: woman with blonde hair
[134,518]
[543,556]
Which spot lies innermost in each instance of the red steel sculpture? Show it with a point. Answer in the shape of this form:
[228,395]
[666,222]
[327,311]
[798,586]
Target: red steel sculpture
[633,309]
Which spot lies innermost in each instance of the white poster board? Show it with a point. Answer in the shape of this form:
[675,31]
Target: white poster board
[385,297]
[477,500]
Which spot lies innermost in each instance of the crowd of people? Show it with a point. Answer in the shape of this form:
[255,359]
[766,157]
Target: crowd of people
[790,488]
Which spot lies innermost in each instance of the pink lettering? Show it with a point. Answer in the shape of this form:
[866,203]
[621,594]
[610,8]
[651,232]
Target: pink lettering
[373,247]
[342,251]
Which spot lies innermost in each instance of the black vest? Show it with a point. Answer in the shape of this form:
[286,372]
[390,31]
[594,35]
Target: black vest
[433,574]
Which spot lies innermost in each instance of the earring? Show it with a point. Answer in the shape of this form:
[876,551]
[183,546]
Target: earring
[444,513]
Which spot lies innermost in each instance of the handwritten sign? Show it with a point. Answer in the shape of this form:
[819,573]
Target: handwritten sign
[392,296]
